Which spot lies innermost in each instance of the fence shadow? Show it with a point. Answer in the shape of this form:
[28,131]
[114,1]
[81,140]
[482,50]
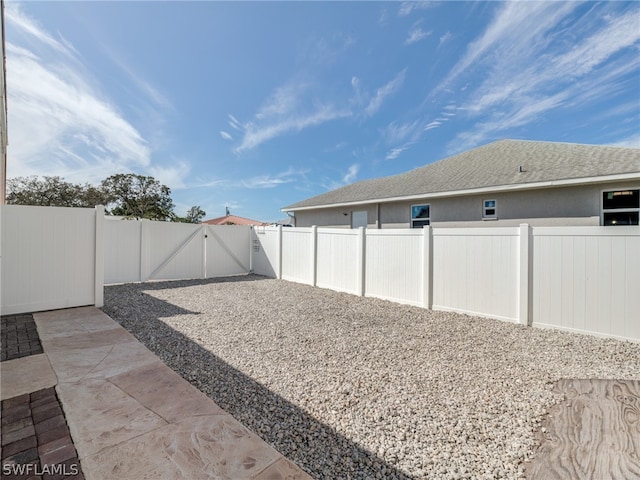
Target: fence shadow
[316,447]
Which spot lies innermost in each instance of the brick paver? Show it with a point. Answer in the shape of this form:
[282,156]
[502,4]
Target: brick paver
[36,442]
[19,337]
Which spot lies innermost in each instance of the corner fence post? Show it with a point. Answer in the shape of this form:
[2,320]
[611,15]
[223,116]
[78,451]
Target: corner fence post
[314,255]
[525,316]
[427,267]
[203,233]
[145,253]
[279,266]
[99,257]
[362,261]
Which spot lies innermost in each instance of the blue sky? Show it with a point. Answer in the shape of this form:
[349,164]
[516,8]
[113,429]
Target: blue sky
[257,105]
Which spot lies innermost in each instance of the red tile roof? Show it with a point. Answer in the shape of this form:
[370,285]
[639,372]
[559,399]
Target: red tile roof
[233,220]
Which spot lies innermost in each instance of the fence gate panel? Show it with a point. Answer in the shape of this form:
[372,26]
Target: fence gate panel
[48,257]
[172,251]
[228,250]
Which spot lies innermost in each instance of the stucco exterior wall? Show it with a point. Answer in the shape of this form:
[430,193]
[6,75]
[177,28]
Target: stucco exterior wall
[570,206]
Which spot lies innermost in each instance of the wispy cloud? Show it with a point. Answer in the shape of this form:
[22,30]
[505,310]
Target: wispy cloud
[445,38]
[173,175]
[385,91]
[528,71]
[396,132]
[395,152]
[58,121]
[415,35]
[291,108]
[632,141]
[432,125]
[225,135]
[271,181]
[351,174]
[406,8]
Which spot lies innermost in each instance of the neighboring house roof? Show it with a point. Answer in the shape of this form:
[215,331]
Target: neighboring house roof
[233,219]
[502,165]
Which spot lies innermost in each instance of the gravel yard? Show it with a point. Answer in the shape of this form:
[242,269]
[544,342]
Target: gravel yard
[351,387]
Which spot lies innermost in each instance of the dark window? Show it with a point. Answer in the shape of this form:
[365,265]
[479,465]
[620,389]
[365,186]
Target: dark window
[620,207]
[621,218]
[621,199]
[420,215]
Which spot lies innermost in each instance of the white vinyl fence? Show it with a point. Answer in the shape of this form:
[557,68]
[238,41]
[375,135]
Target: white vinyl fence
[50,258]
[584,279]
[142,250]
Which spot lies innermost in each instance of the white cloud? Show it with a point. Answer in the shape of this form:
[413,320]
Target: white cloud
[415,35]
[395,152]
[351,174]
[528,70]
[270,181]
[234,123]
[58,123]
[432,125]
[399,132]
[255,134]
[407,7]
[173,175]
[445,38]
[383,92]
[632,141]
[225,135]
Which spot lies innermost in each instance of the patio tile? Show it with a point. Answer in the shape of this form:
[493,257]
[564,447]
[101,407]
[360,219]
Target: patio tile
[75,364]
[71,321]
[215,446]
[100,338]
[101,415]
[283,469]
[162,390]
[24,375]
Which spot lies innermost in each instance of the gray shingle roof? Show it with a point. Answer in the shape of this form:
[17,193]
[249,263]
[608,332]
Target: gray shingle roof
[493,165]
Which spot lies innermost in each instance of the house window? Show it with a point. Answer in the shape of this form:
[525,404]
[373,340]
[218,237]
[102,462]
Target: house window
[420,215]
[490,209]
[359,219]
[620,207]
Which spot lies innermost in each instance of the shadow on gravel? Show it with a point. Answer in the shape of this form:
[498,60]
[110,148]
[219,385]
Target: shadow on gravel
[316,447]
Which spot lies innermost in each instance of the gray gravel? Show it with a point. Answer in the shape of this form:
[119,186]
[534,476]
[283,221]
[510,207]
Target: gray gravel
[351,387]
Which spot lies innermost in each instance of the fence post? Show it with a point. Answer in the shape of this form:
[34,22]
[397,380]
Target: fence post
[526,273]
[362,261]
[145,268]
[314,255]
[279,265]
[99,257]
[203,230]
[427,267]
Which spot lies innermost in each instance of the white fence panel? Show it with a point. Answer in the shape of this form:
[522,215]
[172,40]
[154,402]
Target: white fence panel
[395,265]
[48,258]
[475,271]
[228,250]
[266,251]
[122,250]
[338,265]
[174,251]
[297,255]
[587,279]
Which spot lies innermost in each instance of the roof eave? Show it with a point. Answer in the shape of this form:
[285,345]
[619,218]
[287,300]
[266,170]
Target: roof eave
[475,191]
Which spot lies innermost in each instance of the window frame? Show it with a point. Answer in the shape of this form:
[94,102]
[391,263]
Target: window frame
[355,214]
[485,208]
[617,210]
[419,219]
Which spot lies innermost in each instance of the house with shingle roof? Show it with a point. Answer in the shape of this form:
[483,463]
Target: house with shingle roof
[503,183]
[233,220]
